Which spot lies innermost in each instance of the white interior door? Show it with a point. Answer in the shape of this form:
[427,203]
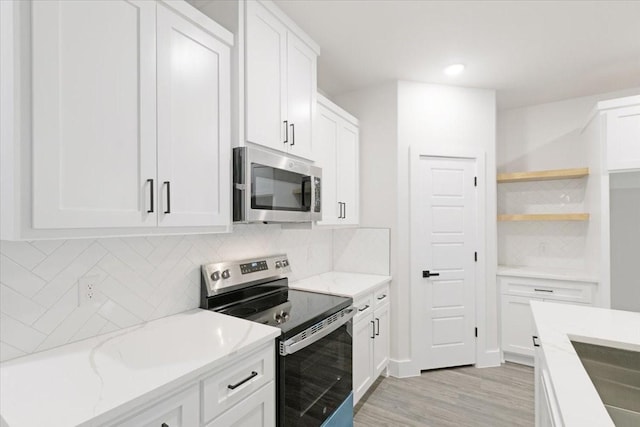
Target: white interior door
[193,124]
[94,113]
[443,230]
[266,95]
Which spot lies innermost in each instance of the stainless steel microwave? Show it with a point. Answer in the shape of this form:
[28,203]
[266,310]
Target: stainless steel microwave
[270,187]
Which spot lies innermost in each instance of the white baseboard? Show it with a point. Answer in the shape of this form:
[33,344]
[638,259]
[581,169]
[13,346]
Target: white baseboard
[402,369]
[519,358]
[489,359]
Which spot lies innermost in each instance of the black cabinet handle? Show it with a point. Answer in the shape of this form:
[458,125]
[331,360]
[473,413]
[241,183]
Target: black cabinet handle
[236,385]
[427,273]
[286,132]
[345,210]
[293,134]
[377,326]
[364,308]
[164,425]
[381,297]
[150,181]
[534,338]
[168,184]
[373,330]
[543,290]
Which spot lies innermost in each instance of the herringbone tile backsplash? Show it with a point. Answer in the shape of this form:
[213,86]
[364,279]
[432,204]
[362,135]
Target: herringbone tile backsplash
[140,279]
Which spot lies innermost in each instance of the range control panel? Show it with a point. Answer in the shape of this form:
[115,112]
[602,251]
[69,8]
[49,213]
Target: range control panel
[222,276]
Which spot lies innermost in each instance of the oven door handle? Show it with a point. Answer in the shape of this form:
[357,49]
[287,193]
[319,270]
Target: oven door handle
[297,343]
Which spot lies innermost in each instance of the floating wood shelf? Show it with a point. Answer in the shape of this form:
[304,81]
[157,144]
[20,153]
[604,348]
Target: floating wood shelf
[543,175]
[545,217]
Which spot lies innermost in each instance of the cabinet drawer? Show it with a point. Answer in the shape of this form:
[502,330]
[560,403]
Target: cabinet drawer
[553,290]
[364,305]
[259,409]
[234,383]
[381,296]
[180,410]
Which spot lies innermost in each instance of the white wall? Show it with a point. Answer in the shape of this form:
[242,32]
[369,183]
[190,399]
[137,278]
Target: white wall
[430,117]
[140,279]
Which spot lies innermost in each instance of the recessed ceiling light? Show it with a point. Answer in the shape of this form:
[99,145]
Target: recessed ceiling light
[454,69]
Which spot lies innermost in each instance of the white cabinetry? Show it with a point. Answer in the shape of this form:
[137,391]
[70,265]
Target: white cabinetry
[239,394]
[370,339]
[130,119]
[547,413]
[280,81]
[337,142]
[517,326]
[623,137]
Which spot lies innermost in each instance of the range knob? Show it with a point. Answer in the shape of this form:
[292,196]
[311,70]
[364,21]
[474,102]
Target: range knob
[277,317]
[285,262]
[225,274]
[215,276]
[284,315]
[278,264]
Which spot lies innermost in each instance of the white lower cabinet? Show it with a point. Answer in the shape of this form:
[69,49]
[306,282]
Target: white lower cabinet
[547,413]
[240,394]
[370,340]
[517,325]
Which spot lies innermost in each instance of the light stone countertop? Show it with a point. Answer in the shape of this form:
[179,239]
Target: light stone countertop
[95,379]
[557,325]
[547,273]
[352,285]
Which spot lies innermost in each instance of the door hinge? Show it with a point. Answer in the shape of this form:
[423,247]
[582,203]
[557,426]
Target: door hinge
[475,256]
[475,181]
[476,332]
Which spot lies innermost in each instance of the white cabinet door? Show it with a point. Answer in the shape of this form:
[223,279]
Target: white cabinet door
[381,342]
[623,138]
[256,410]
[181,410]
[517,325]
[326,139]
[193,124]
[301,96]
[348,173]
[265,68]
[363,336]
[94,113]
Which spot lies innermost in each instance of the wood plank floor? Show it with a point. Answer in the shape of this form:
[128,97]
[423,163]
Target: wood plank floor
[465,396]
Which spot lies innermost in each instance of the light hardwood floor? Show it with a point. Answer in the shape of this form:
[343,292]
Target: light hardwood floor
[464,396]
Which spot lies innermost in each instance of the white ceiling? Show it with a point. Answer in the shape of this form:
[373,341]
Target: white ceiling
[531,52]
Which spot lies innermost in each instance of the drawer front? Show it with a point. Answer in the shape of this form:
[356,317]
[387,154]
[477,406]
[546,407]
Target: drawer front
[257,410]
[365,307]
[552,290]
[180,410]
[237,381]
[381,296]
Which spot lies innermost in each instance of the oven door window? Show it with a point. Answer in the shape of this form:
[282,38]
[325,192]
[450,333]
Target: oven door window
[278,189]
[318,379]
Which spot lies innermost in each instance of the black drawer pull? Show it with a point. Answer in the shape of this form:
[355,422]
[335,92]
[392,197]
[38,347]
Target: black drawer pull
[543,290]
[364,308]
[534,338]
[236,385]
[381,297]
[427,273]
[377,326]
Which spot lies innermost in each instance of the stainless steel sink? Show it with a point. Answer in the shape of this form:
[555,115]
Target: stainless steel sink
[615,373]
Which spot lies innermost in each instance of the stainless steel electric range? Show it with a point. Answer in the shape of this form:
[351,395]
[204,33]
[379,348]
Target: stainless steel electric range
[314,350]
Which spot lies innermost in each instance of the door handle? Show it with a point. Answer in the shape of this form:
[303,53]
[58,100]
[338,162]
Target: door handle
[427,273]
[150,181]
[168,184]
[293,134]
[286,132]
[377,326]
[373,330]
[534,338]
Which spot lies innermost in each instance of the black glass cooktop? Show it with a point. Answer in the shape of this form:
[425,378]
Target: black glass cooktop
[276,305]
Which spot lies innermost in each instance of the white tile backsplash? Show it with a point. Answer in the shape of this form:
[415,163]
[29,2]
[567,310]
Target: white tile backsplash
[141,278]
[361,250]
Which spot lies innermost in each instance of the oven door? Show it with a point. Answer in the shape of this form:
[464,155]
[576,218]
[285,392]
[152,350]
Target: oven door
[314,380]
[272,187]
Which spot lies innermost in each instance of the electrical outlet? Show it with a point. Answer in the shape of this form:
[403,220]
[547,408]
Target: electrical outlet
[88,289]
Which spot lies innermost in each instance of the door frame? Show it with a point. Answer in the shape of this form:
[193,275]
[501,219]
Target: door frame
[416,282]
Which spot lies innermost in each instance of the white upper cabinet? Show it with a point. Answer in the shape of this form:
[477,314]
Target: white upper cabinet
[336,139]
[280,82]
[623,138]
[94,107]
[130,119]
[193,124]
